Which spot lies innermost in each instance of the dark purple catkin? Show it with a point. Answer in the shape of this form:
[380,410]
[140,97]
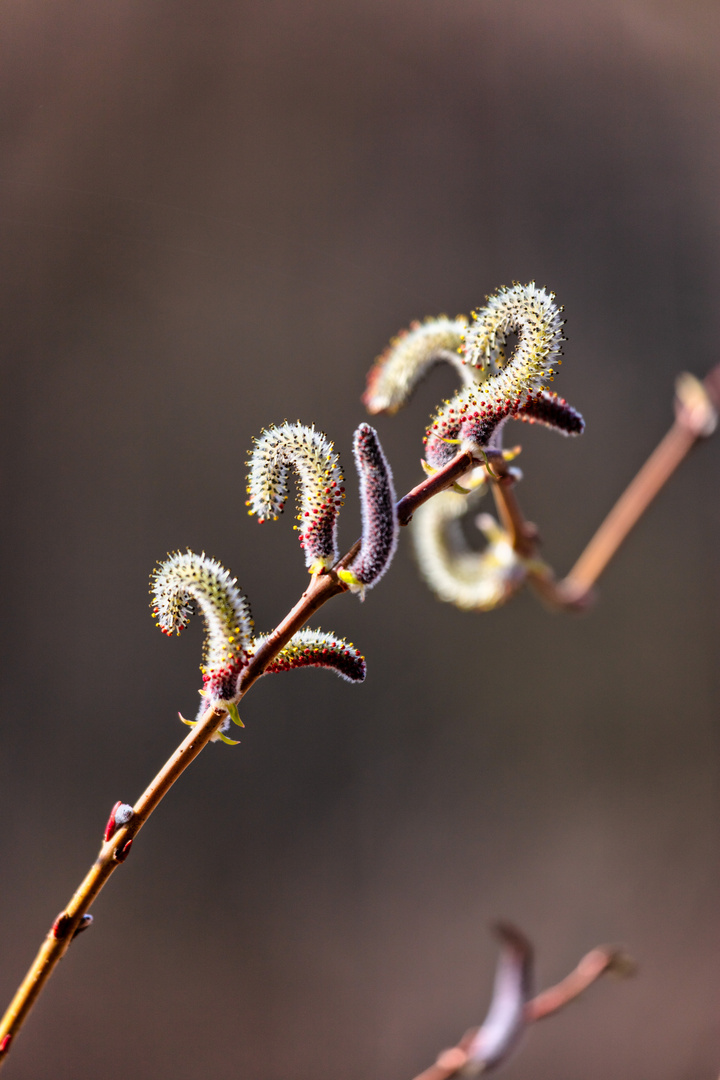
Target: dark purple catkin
[379,516]
[551,411]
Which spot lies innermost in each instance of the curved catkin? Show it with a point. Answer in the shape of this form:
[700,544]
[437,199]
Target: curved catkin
[533,315]
[409,357]
[187,581]
[321,486]
[316,648]
[470,418]
[471,580]
[553,412]
[379,516]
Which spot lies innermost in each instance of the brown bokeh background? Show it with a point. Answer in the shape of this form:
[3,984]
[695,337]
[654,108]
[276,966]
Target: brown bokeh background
[214,215]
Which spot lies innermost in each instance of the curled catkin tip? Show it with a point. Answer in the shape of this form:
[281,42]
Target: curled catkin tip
[379,516]
[532,313]
[409,357]
[321,486]
[186,581]
[501,386]
[316,648]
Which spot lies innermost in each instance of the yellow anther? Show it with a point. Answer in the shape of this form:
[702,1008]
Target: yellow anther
[348,577]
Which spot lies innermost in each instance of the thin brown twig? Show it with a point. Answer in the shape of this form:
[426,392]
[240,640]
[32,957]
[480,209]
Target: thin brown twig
[629,508]
[594,964]
[322,588]
[597,962]
[694,420]
[575,590]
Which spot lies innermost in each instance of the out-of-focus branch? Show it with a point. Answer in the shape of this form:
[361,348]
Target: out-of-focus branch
[466,1059]
[696,408]
[597,962]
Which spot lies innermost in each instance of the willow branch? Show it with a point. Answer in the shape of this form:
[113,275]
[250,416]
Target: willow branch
[439,480]
[112,854]
[572,592]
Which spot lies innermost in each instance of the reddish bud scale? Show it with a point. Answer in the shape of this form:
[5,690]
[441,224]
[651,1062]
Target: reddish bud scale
[377,502]
[122,853]
[111,827]
[61,926]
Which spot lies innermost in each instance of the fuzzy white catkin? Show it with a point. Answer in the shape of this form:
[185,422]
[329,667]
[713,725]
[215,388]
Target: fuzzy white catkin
[321,486]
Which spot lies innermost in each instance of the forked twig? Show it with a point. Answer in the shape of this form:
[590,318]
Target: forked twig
[463,1061]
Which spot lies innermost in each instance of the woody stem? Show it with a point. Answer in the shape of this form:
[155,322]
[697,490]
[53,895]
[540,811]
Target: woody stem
[113,852]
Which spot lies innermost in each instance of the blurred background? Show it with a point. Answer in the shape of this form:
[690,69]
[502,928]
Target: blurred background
[214,216]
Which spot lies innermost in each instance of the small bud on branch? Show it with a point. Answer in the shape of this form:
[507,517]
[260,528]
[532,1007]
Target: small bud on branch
[500,1032]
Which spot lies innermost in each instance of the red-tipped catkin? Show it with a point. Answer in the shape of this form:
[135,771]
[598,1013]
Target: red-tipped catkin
[316,648]
[186,581]
[503,385]
[321,486]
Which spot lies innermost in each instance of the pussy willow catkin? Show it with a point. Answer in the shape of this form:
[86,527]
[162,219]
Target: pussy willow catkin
[321,486]
[496,386]
[186,581]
